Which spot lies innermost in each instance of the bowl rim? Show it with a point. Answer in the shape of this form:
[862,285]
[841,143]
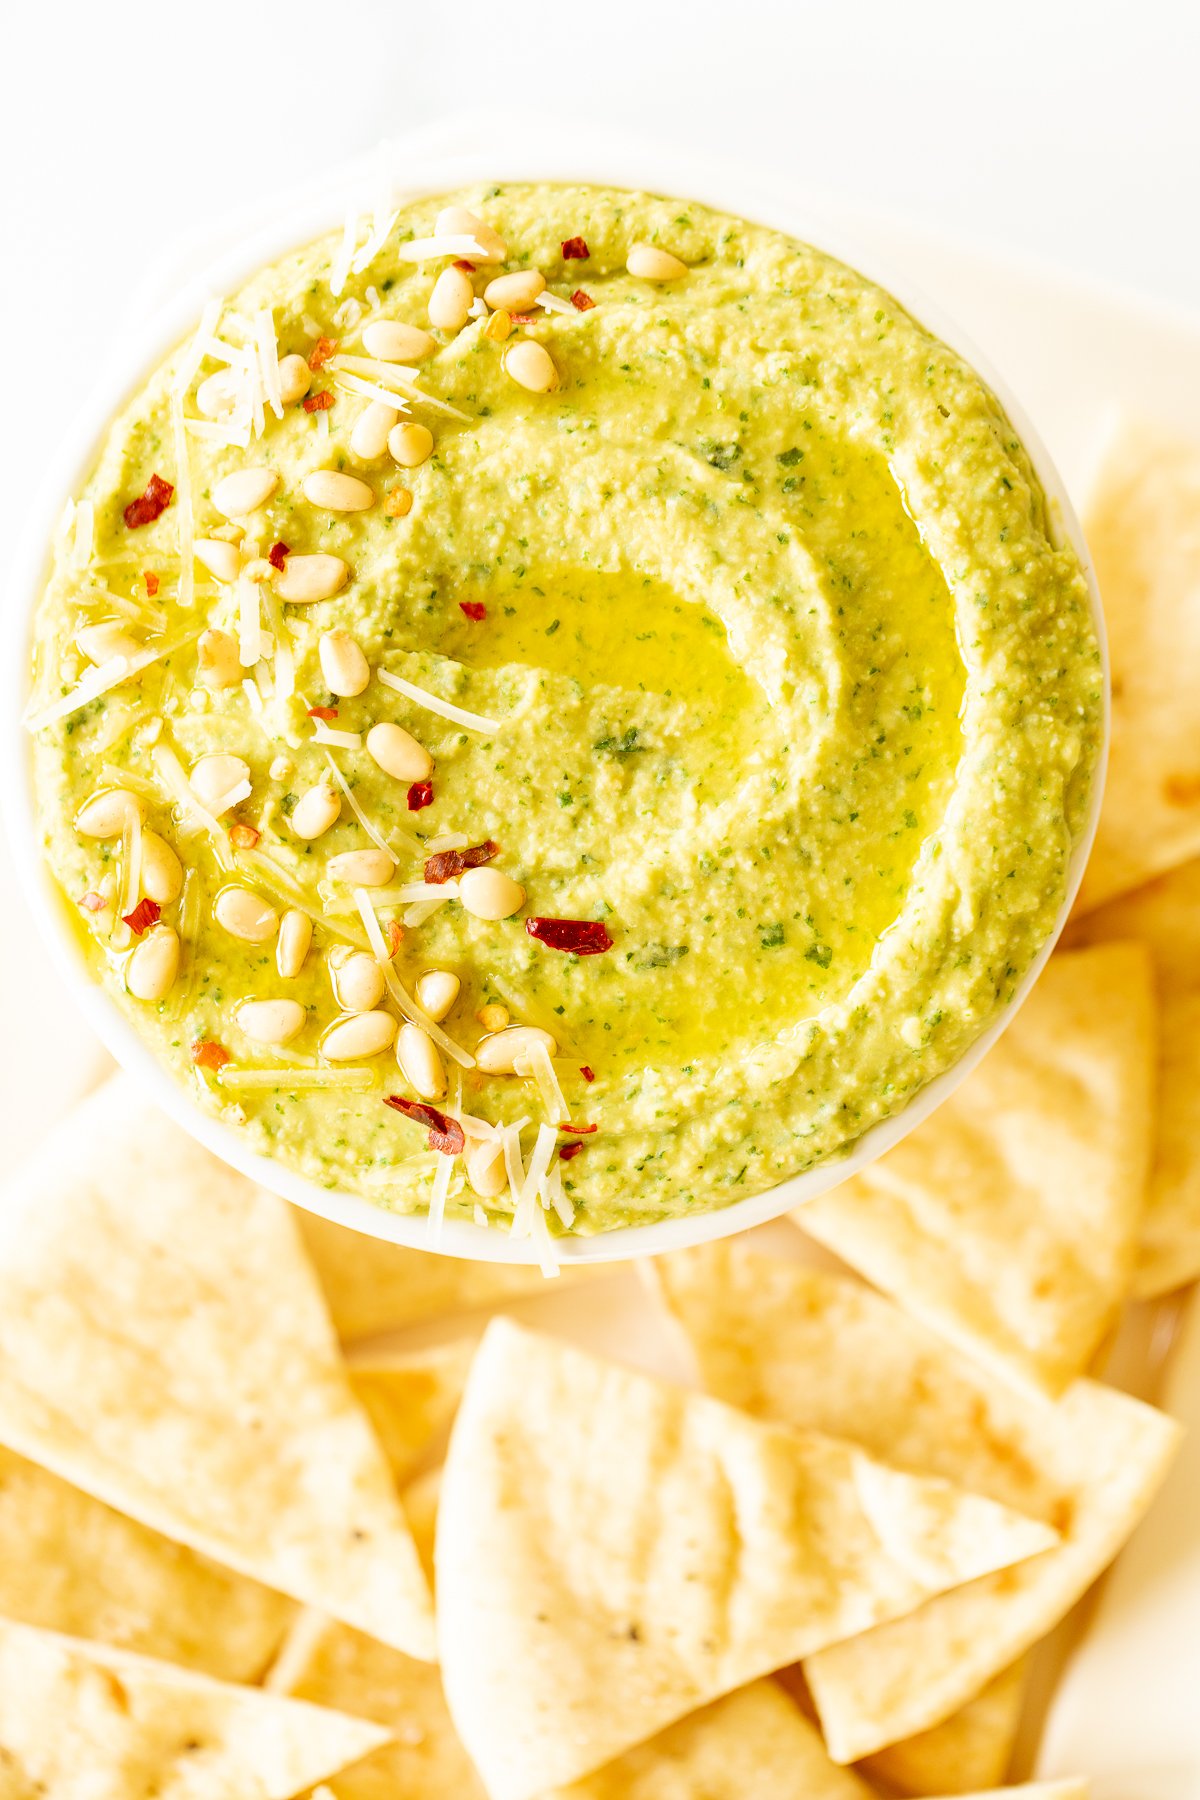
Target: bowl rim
[447,155]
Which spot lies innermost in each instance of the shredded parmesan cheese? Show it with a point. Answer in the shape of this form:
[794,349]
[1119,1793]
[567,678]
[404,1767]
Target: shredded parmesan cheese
[340,740]
[458,715]
[396,988]
[100,680]
[514,1167]
[267,345]
[549,1092]
[554,302]
[131,861]
[558,1198]
[437,1200]
[180,789]
[454,243]
[543,1243]
[391,375]
[408,842]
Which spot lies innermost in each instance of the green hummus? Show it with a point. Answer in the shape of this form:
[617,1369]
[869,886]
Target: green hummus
[792,690]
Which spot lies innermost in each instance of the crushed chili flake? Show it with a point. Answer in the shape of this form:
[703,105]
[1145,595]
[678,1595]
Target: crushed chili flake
[321,352]
[207,1054]
[322,712]
[460,262]
[320,402]
[420,795]
[93,903]
[567,1151]
[582,302]
[581,937]
[448,865]
[445,1133]
[588,1074]
[393,933]
[522,318]
[278,554]
[474,609]
[150,505]
[243,837]
[144,914]
[578,1130]
[575,250]
[151,581]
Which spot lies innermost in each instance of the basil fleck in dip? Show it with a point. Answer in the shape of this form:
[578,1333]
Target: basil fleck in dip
[591,672]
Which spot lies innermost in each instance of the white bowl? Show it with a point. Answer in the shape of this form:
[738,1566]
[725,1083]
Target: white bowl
[442,161]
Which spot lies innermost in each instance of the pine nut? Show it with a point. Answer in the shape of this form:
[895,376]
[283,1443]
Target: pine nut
[410,444]
[420,1063]
[437,990]
[361,1035]
[490,894]
[245,915]
[398,753]
[499,1055]
[213,777]
[100,643]
[392,341]
[315,811]
[271,1021]
[515,293]
[221,559]
[217,394]
[649,263]
[450,301]
[369,438]
[362,868]
[336,492]
[152,968]
[217,660]
[306,578]
[295,379]
[244,491]
[455,220]
[531,366]
[343,665]
[103,816]
[162,871]
[295,937]
[485,1167]
[493,1017]
[358,982]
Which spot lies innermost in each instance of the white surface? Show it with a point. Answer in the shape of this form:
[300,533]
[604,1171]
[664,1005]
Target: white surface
[434,161]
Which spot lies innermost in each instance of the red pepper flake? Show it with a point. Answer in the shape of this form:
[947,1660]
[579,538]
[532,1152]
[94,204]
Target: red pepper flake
[318,402]
[581,937]
[524,318]
[420,795]
[567,1151]
[278,554]
[588,1074]
[207,1054]
[243,837]
[323,712]
[321,352]
[144,914]
[474,609]
[93,903]
[151,581]
[575,250]
[578,1130]
[460,262]
[393,933]
[151,505]
[448,865]
[445,1133]
[582,302]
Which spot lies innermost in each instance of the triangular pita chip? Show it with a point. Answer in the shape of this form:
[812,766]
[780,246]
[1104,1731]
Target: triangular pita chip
[420,1502]
[967,1752]
[71,1564]
[410,1398]
[165,1347]
[1143,529]
[754,1744]
[82,1721]
[613,1553]
[1008,1220]
[331,1665]
[822,1352]
[371,1287]
[1165,915]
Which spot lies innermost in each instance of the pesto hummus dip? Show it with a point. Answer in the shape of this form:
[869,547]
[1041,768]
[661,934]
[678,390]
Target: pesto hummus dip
[589,672]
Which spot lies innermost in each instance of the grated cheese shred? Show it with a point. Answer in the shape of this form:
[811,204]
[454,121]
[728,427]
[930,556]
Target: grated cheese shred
[458,715]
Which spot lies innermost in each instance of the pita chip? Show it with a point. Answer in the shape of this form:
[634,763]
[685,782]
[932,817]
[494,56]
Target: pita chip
[1008,1220]
[372,1287]
[410,1398]
[82,1721]
[71,1564]
[613,1553]
[1165,916]
[165,1347]
[1075,1787]
[968,1752]
[1143,529]
[822,1352]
